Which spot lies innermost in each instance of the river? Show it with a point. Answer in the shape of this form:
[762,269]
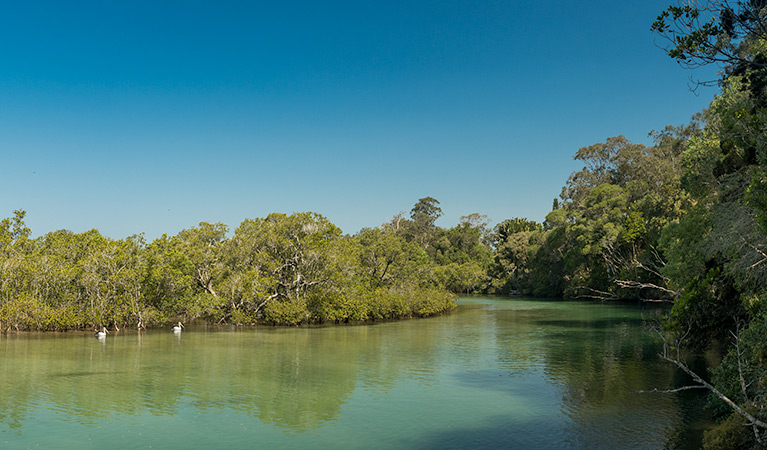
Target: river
[495,373]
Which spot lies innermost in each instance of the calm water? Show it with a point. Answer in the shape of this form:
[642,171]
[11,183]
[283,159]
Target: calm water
[496,373]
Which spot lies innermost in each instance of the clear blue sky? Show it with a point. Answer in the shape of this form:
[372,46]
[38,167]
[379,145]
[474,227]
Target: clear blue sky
[153,116]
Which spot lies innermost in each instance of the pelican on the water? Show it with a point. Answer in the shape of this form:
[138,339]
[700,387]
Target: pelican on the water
[177,328]
[102,333]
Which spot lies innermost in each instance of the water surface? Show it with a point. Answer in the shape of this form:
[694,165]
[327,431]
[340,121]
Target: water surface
[496,373]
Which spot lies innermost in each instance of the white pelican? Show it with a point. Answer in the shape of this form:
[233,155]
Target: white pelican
[102,333]
[177,328]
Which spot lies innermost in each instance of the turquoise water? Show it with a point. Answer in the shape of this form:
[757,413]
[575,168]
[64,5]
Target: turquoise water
[496,373]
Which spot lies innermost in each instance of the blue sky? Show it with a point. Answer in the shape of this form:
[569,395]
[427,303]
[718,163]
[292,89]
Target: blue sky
[153,116]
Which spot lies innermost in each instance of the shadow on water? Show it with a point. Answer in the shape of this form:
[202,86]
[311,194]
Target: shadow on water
[497,432]
[595,324]
[501,433]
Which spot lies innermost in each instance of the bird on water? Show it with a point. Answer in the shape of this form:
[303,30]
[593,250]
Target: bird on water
[177,328]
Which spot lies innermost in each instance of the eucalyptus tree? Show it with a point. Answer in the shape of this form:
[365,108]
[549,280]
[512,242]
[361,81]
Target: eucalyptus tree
[421,228]
[603,235]
[482,223]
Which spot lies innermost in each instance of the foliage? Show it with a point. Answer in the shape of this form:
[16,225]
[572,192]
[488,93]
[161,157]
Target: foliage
[707,310]
[718,32]
[731,434]
[282,269]
[717,250]
[601,241]
[511,271]
[742,376]
[457,259]
[509,227]
[421,228]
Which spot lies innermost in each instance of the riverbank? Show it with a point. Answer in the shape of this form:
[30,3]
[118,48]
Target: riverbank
[378,305]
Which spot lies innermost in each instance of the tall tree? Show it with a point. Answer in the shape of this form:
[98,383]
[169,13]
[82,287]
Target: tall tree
[423,215]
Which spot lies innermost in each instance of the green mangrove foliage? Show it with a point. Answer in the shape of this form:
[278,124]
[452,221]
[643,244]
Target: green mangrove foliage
[282,269]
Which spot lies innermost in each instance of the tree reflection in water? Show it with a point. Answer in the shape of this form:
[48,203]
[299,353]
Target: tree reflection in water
[495,371]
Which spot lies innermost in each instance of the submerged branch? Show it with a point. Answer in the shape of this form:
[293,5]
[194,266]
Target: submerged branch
[632,284]
[704,384]
[668,391]
[597,294]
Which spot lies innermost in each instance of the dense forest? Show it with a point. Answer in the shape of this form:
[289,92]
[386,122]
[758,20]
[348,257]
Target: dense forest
[682,221]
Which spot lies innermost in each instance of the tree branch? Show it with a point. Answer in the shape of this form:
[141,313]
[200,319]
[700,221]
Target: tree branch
[669,391]
[600,295]
[703,383]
